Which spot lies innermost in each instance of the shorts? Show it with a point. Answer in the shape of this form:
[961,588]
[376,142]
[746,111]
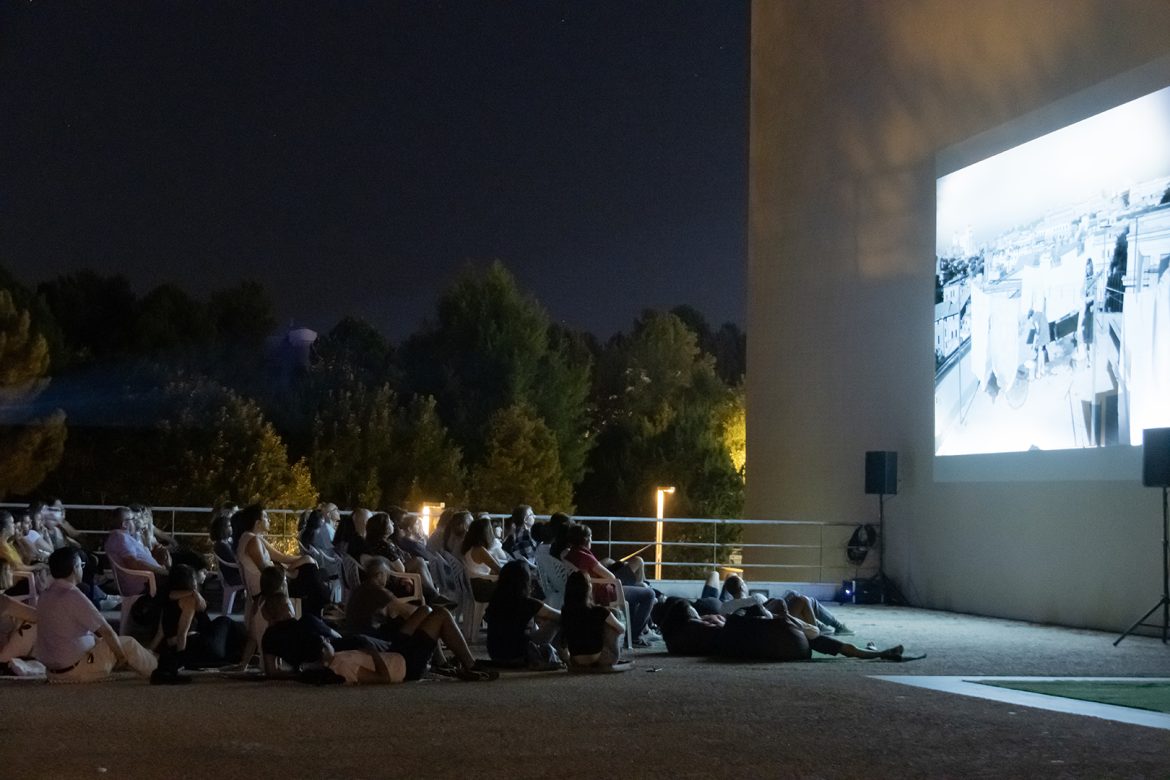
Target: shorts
[416,649]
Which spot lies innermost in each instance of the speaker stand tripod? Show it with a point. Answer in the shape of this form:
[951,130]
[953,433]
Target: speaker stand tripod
[887,588]
[1164,603]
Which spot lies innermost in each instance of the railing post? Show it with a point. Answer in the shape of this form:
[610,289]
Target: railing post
[609,547]
[715,544]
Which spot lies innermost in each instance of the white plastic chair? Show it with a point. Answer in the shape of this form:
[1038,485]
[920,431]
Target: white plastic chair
[229,591]
[553,573]
[29,598]
[129,599]
[471,612]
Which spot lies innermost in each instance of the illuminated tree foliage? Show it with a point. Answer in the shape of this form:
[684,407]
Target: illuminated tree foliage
[522,465]
[31,441]
[664,419]
[216,445]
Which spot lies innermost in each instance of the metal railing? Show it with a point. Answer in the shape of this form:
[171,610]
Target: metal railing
[779,550]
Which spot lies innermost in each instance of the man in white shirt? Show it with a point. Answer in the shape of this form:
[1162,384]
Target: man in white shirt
[74,641]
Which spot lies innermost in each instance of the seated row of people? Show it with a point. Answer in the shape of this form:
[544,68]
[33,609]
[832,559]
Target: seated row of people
[73,642]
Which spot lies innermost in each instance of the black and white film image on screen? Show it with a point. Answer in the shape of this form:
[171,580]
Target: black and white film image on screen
[1052,296]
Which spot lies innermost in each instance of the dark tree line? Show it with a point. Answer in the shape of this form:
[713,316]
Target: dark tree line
[108,396]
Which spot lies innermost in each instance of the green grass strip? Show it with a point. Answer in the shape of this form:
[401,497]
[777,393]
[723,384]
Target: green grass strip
[1153,696]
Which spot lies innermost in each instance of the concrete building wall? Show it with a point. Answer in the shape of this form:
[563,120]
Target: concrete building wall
[850,102]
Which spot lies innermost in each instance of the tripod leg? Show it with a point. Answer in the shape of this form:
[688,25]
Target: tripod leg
[1163,603]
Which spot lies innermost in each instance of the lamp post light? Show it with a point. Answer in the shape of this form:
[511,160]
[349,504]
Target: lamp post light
[425,516]
[661,494]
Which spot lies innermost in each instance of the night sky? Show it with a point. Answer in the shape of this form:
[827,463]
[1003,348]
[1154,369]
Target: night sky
[354,156]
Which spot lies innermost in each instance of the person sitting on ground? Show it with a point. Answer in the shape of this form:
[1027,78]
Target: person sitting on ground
[363,667]
[125,548]
[255,553]
[191,639]
[298,641]
[74,641]
[639,598]
[520,628]
[591,632]
[518,541]
[482,568]
[18,627]
[287,638]
[372,608]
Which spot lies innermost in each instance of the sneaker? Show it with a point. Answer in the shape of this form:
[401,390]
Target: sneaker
[111,603]
[643,642]
[843,630]
[825,629]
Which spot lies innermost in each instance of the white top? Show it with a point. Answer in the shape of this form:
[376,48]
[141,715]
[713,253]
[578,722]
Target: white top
[497,551]
[475,569]
[66,624]
[248,567]
[349,663]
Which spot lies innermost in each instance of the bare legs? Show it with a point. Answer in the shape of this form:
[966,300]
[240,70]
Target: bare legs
[437,623]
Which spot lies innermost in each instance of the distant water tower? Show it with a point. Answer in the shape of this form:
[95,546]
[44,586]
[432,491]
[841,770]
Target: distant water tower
[299,343]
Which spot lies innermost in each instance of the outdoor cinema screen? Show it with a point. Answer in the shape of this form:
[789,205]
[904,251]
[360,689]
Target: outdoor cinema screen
[1052,296]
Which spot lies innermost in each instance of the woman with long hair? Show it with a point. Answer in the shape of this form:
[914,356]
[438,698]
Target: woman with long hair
[591,632]
[191,639]
[516,619]
[640,598]
[482,568]
[255,553]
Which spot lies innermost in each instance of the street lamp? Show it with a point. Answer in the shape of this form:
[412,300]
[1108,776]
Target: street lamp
[661,495]
[427,512]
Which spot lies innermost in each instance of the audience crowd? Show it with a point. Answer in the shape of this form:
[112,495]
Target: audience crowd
[366,597]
